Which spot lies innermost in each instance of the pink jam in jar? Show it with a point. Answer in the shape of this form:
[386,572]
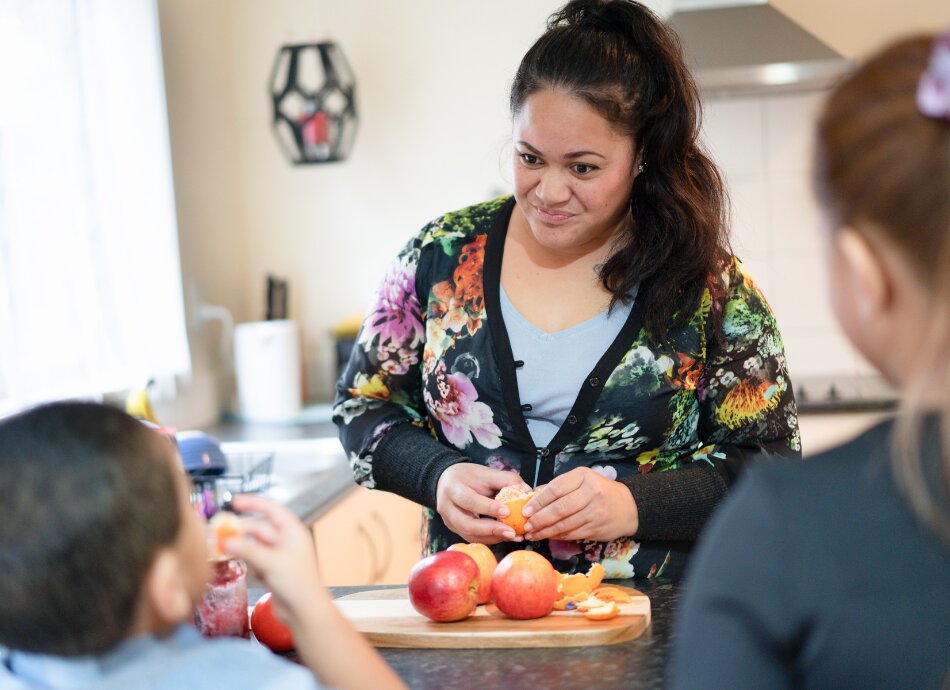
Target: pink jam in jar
[223,610]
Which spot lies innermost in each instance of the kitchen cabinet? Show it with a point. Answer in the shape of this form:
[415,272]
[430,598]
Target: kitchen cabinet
[370,537]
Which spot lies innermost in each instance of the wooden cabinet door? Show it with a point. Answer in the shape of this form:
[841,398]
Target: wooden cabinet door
[371,537]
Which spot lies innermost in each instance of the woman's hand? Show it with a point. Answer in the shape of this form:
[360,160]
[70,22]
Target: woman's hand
[280,553]
[581,504]
[464,492]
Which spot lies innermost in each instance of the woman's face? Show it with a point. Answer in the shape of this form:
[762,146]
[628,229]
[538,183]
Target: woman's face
[573,172]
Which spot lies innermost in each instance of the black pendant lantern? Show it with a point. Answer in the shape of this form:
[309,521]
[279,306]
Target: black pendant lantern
[314,94]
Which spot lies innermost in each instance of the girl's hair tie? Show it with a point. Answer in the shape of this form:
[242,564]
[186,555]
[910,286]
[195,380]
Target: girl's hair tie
[933,90]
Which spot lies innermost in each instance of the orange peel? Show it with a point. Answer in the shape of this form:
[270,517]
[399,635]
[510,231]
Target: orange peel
[579,583]
[603,613]
[564,602]
[514,498]
[596,575]
[572,585]
[609,593]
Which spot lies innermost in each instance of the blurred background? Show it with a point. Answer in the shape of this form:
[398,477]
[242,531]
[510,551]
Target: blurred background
[191,82]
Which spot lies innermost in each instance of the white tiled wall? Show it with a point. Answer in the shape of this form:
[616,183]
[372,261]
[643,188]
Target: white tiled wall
[764,146]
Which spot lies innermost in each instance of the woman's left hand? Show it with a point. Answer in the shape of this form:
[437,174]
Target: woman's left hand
[581,504]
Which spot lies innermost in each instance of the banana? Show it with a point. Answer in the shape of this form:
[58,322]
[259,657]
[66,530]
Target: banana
[137,404]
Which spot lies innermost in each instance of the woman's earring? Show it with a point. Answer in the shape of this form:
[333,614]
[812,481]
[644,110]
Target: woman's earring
[641,167]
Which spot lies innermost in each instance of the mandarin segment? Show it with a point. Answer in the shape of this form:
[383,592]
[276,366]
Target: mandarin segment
[224,527]
[589,603]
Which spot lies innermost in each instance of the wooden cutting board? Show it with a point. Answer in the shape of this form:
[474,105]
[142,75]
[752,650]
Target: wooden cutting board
[387,619]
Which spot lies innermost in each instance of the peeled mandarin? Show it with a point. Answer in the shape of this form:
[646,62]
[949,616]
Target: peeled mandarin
[514,497]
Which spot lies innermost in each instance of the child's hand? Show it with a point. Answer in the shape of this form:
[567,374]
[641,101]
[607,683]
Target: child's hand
[280,553]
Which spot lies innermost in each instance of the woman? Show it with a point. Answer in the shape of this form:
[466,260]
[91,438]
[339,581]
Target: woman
[590,334]
[836,573]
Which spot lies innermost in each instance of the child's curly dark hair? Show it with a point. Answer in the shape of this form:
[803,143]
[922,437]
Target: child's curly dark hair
[88,498]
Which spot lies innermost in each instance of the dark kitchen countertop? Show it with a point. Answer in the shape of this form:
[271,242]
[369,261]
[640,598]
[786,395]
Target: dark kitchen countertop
[634,665]
[841,394]
[826,406]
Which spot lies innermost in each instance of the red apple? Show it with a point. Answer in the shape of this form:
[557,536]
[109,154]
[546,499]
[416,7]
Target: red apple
[486,562]
[524,585]
[444,586]
[268,628]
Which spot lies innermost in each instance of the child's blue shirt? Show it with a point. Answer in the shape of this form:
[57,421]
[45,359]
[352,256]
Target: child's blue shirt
[179,661]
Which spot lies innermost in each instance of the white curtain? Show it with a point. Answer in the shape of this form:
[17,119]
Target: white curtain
[90,280]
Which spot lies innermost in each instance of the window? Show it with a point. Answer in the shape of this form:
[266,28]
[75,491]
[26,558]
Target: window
[90,280]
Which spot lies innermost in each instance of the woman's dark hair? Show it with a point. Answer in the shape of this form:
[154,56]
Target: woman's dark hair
[883,167]
[628,65]
[88,498]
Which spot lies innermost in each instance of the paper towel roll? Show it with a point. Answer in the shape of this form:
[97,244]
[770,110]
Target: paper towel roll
[267,367]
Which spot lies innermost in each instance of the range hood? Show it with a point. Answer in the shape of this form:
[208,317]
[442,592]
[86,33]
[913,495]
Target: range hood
[744,48]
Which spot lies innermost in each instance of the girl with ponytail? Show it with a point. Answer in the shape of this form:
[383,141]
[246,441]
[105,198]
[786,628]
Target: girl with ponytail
[837,573]
[591,337]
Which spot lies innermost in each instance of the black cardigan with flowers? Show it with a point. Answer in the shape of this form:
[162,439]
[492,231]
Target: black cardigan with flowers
[432,382]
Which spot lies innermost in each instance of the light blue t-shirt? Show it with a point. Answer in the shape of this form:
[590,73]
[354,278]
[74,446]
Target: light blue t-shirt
[557,364]
[180,661]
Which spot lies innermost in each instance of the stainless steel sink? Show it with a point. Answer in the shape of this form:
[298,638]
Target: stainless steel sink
[307,475]
[292,456]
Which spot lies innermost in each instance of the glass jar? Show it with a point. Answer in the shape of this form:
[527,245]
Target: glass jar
[223,609]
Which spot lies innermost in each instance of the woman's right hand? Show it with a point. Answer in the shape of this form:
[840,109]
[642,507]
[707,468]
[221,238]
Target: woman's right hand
[467,491]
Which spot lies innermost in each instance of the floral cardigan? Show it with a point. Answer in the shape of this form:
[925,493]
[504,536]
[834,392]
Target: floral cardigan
[432,382]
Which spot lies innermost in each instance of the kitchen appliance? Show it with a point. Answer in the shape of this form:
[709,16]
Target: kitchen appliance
[739,47]
[268,370]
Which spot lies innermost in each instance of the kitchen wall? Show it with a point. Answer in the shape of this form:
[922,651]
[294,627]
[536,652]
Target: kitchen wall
[432,94]
[196,46]
[432,78]
[764,147]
